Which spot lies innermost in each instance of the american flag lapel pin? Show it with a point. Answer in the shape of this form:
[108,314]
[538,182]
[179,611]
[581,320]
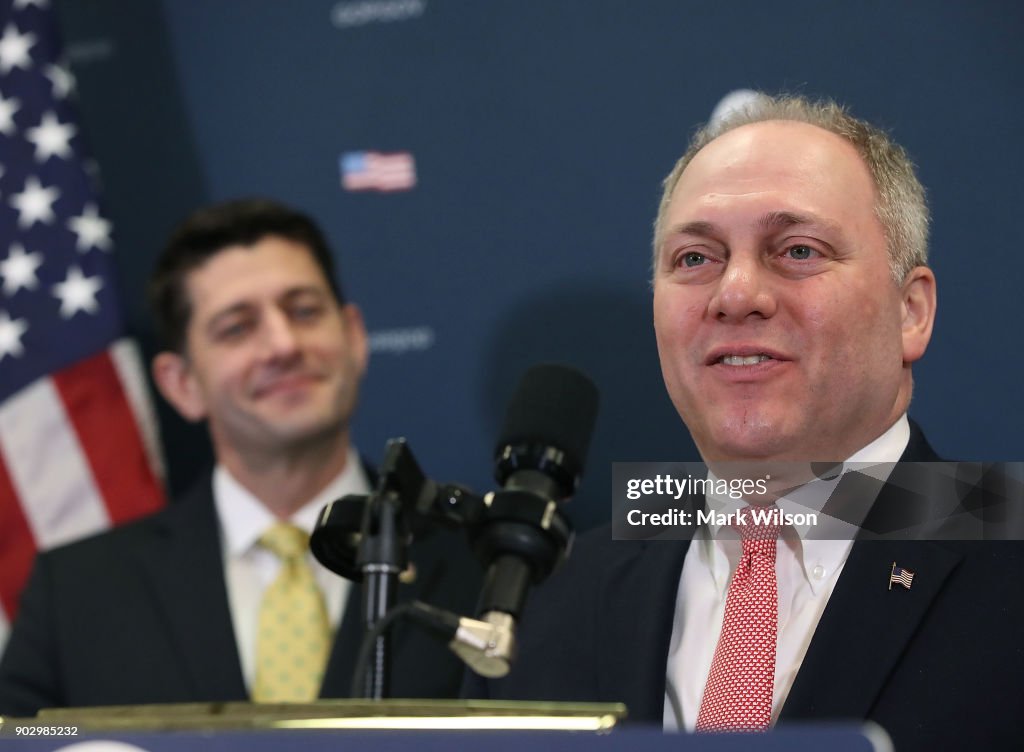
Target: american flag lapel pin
[900,576]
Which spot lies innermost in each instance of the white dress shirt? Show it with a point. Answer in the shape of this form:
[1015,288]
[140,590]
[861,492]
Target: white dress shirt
[249,568]
[806,570]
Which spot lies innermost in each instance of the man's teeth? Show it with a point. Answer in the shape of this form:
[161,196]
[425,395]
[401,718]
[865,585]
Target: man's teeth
[744,360]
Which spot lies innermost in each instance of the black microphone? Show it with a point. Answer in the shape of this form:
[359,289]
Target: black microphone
[521,535]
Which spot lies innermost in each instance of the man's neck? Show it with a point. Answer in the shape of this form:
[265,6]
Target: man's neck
[783,475]
[285,481]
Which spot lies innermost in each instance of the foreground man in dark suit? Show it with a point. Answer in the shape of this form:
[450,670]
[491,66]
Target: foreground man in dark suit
[263,346]
[791,298]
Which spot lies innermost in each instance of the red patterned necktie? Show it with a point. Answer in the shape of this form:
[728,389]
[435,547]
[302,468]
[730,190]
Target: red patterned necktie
[738,693]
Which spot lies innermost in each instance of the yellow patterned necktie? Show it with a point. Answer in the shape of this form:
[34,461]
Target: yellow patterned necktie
[294,634]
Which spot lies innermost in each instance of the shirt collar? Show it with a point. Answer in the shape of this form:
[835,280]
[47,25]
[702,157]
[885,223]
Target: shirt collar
[888,447]
[244,518]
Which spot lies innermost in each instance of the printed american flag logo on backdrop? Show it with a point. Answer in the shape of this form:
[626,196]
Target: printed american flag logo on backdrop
[78,442]
[377,171]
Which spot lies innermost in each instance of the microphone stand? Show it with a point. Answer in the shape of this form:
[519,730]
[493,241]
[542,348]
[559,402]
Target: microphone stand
[402,496]
[382,555]
[381,559]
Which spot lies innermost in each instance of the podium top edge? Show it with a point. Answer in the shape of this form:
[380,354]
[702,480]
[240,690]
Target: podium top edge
[342,714]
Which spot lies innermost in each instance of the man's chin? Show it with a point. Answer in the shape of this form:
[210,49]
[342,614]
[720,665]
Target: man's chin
[295,430]
[751,439]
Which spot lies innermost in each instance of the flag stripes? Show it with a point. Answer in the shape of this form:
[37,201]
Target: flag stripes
[109,436]
[48,469]
[127,359]
[17,548]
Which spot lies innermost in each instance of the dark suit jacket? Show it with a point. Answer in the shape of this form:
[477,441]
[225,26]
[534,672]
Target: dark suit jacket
[939,666]
[139,614]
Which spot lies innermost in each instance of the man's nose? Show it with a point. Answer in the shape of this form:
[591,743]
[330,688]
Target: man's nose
[279,336]
[744,290]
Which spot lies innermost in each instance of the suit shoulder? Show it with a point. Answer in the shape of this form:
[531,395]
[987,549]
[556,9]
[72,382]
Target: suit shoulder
[597,547]
[118,541]
[592,553]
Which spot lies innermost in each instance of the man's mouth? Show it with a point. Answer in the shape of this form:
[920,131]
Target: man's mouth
[744,360]
[288,383]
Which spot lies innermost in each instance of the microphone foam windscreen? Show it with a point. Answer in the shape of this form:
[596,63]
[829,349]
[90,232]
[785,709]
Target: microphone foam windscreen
[553,406]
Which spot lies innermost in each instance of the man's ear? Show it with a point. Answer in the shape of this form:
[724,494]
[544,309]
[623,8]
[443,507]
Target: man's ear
[355,330]
[918,304]
[177,383]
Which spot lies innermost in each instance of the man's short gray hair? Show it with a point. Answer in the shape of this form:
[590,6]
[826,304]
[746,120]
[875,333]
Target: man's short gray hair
[901,205]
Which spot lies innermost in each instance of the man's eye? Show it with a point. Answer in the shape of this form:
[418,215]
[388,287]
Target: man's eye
[306,313]
[800,252]
[693,259]
[233,330]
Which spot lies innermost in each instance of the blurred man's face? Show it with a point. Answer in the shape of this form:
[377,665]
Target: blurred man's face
[272,361]
[780,331]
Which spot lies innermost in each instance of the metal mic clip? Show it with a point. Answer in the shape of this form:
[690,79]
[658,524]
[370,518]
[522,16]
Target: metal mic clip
[486,645]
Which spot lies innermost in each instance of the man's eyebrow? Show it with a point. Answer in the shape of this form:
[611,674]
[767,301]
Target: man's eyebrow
[699,227]
[232,310]
[771,220]
[295,292]
[783,219]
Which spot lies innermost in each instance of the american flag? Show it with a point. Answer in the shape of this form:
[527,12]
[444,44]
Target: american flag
[900,576]
[78,445]
[375,171]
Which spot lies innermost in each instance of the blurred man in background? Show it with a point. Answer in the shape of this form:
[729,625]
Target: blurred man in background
[218,598]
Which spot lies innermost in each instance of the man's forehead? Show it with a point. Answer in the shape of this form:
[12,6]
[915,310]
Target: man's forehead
[268,270]
[774,143]
[788,157]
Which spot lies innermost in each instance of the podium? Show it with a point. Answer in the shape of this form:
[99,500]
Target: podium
[397,726]
[423,715]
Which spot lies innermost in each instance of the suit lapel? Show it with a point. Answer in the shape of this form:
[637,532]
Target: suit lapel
[865,628]
[185,567]
[636,605]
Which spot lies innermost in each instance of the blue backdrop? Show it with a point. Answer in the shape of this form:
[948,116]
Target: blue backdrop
[540,133]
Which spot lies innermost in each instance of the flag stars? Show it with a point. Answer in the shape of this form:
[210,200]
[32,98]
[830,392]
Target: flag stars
[7,109]
[14,49]
[93,231]
[62,79]
[77,293]
[19,270]
[34,203]
[51,137]
[26,3]
[10,336]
